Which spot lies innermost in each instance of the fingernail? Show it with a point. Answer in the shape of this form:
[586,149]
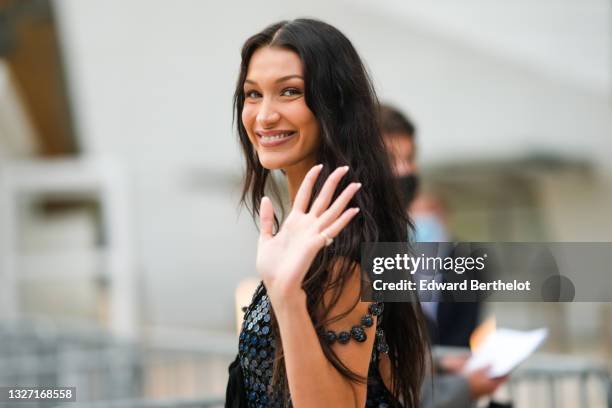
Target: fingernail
[356,209]
[345,168]
[358,185]
[319,165]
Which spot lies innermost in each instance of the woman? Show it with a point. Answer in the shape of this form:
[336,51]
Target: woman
[306,106]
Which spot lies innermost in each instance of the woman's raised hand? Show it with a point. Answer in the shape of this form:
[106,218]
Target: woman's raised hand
[283,259]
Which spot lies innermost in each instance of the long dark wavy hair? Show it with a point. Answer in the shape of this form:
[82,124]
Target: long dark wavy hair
[340,94]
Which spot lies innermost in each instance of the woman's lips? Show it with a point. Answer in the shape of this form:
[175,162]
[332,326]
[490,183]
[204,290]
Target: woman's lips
[275,139]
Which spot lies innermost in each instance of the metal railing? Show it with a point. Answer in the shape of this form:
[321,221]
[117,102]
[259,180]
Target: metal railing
[109,372]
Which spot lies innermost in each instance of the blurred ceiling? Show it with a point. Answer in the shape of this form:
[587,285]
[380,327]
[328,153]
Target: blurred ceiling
[31,50]
[564,39]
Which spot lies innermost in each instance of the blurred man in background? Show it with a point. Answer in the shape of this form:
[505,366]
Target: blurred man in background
[449,323]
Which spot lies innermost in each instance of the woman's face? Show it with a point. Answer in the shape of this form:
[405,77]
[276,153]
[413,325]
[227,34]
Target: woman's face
[283,131]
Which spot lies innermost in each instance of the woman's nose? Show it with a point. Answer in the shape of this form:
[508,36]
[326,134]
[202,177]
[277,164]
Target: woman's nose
[267,115]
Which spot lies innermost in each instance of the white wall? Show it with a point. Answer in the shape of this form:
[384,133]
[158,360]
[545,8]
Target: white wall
[152,82]
[561,39]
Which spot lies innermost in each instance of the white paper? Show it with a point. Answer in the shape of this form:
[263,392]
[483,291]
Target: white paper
[504,349]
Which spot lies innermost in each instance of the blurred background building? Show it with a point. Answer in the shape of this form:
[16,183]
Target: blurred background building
[121,238]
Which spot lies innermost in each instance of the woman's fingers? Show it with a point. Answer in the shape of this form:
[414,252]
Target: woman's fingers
[327,191]
[334,229]
[266,218]
[302,197]
[339,205]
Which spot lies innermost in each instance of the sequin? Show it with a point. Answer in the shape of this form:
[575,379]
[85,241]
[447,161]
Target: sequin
[379,333]
[382,347]
[376,309]
[344,337]
[358,334]
[330,337]
[367,320]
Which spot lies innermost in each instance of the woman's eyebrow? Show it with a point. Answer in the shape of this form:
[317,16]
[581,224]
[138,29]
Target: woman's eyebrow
[281,79]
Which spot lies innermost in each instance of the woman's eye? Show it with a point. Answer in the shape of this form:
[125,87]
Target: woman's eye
[291,92]
[252,94]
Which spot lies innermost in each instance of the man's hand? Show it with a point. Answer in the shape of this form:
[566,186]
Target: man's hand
[481,384]
[479,381]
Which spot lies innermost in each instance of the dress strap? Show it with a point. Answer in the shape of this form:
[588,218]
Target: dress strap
[357,332]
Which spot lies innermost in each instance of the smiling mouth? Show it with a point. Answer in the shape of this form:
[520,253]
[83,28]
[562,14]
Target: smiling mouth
[275,139]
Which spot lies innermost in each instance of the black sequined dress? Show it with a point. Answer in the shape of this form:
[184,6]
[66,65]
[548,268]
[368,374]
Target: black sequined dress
[250,383]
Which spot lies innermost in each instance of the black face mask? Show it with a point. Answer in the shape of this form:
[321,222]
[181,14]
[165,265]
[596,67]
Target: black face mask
[409,186]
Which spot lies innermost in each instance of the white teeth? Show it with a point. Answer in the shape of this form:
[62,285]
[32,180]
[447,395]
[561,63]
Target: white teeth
[275,137]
